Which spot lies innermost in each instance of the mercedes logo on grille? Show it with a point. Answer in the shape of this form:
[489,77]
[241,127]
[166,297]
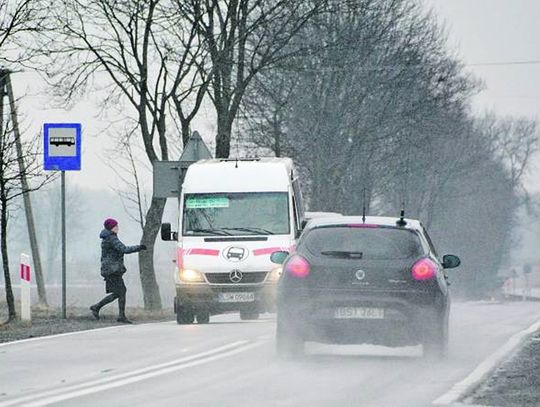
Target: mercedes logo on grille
[235,276]
[360,275]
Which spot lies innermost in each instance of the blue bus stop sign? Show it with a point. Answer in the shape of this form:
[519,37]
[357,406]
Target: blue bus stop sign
[62,146]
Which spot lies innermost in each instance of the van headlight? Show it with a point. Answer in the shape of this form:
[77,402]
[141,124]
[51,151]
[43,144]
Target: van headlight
[275,274]
[190,276]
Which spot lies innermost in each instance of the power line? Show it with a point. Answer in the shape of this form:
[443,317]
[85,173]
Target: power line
[532,62]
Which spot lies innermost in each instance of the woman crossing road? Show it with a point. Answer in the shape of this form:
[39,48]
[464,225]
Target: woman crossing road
[113,268]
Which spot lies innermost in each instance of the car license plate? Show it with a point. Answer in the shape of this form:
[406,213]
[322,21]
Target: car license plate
[359,313]
[236,297]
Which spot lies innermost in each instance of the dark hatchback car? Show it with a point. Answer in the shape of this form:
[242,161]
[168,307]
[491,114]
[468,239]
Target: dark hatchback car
[351,281]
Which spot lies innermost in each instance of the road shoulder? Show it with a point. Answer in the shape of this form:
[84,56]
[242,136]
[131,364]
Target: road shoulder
[50,322]
[461,390]
[516,382]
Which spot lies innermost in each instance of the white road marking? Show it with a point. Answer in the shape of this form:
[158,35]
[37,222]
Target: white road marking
[70,392]
[484,369]
[86,331]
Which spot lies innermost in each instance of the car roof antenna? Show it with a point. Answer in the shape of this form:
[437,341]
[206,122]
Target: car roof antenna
[364,206]
[401,221]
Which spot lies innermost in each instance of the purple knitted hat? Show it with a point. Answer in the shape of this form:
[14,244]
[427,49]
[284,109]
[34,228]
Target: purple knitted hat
[110,223]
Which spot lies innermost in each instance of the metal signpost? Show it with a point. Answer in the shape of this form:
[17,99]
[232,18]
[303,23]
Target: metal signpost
[62,149]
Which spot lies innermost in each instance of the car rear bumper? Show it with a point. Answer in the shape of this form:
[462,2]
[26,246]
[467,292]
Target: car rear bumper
[407,320]
[208,296]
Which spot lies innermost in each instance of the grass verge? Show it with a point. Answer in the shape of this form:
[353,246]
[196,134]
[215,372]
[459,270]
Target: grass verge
[49,321]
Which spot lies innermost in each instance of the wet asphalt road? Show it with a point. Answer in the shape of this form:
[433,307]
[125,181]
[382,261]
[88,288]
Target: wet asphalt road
[233,363]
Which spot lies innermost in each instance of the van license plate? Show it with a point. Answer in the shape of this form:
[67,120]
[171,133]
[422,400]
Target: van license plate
[236,297]
[359,313]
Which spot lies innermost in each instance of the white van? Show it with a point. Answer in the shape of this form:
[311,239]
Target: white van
[233,215]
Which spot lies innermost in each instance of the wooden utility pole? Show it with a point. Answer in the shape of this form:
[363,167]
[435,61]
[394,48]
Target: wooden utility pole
[6,85]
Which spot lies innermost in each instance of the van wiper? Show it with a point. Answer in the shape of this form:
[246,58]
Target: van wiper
[253,230]
[218,231]
[343,254]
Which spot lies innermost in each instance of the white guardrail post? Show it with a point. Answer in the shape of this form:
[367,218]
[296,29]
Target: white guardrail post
[26,313]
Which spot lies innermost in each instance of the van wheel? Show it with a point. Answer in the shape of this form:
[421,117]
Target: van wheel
[203,316]
[184,315]
[249,315]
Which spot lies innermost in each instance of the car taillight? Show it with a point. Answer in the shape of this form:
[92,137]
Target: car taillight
[297,267]
[424,269]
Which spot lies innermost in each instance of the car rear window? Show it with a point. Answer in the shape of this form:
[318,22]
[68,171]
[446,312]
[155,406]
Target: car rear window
[365,243]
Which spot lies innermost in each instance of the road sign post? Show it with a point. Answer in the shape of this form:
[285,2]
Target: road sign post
[26,300]
[63,209]
[62,149]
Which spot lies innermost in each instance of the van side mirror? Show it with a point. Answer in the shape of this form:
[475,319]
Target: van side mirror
[166,233]
[450,261]
[278,257]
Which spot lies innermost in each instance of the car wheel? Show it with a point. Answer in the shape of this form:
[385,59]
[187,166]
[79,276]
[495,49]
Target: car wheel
[246,315]
[289,343]
[203,316]
[184,314]
[435,345]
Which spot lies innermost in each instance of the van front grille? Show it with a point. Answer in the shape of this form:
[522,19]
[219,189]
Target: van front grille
[256,277]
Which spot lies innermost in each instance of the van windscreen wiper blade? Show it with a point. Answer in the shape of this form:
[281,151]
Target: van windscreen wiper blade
[218,231]
[253,230]
[344,254]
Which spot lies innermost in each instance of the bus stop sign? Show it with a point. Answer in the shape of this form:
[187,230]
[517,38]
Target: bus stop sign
[62,146]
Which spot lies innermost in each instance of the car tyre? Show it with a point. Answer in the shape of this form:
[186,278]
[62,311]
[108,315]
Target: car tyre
[289,343]
[247,315]
[184,314]
[203,316]
[435,347]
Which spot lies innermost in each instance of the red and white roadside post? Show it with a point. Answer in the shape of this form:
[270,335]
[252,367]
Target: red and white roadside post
[26,314]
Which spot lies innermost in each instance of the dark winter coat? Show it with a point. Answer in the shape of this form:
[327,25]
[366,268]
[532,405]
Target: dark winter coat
[112,254]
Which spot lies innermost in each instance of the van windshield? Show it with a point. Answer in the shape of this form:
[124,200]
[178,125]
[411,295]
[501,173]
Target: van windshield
[250,213]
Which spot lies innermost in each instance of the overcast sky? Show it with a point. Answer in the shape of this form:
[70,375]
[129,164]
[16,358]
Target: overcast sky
[499,31]
[480,32]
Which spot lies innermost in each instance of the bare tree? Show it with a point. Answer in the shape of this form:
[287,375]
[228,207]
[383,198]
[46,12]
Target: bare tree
[514,141]
[242,38]
[370,82]
[131,189]
[140,52]
[13,164]
[18,18]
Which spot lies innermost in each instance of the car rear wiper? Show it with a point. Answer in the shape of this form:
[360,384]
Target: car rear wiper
[253,230]
[344,254]
[219,231]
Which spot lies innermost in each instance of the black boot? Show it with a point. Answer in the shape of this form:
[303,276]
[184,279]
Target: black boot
[122,310]
[96,307]
[95,311]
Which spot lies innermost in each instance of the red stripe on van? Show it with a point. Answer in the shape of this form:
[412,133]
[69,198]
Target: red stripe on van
[270,250]
[201,252]
[267,250]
